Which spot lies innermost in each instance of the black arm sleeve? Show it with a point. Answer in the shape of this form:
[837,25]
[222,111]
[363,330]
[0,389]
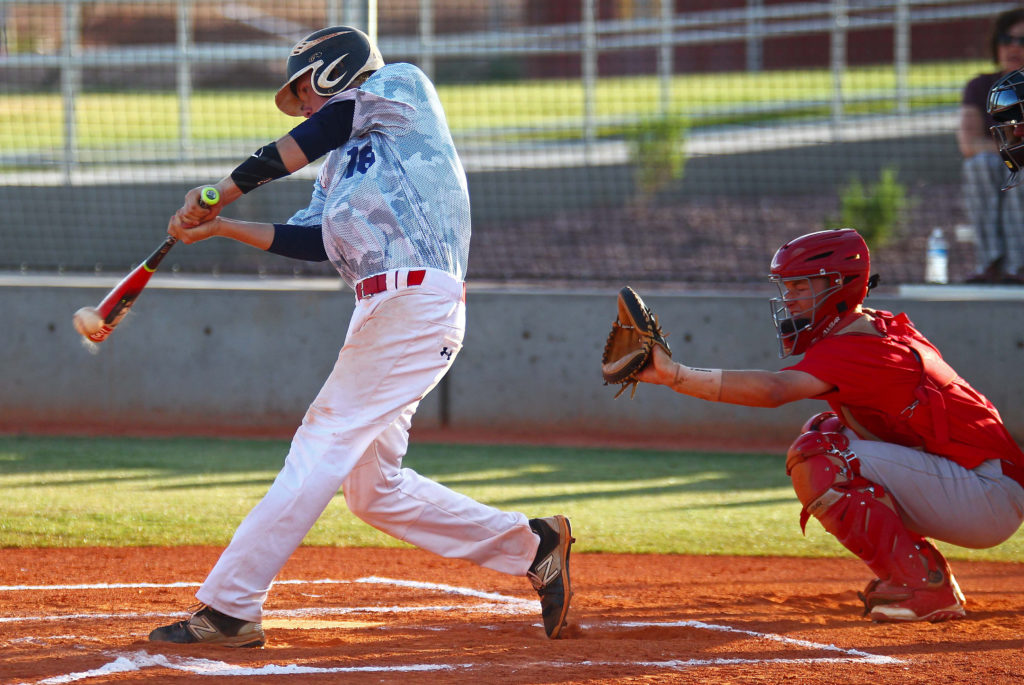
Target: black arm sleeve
[326,130]
[299,242]
[261,167]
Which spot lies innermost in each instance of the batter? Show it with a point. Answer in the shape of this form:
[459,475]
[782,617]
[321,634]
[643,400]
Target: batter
[909,450]
[390,210]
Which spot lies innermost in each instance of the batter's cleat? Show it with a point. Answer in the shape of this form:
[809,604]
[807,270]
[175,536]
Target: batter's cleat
[888,603]
[210,627]
[549,573]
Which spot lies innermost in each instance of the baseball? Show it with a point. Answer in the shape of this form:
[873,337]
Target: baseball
[87,321]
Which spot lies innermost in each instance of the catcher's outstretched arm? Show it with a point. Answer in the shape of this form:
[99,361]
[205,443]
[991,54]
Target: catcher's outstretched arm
[751,388]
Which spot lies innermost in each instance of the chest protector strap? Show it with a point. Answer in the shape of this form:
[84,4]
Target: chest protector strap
[936,376]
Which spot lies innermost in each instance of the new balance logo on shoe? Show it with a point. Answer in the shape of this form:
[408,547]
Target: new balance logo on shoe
[209,626]
[549,573]
[547,570]
[202,628]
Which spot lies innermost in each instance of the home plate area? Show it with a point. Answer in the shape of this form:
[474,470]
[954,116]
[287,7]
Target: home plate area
[634,618]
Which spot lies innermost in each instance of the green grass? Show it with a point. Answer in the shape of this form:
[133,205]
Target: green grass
[66,492]
[33,122]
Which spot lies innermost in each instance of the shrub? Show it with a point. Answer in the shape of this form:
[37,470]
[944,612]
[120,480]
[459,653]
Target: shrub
[877,212]
[658,152]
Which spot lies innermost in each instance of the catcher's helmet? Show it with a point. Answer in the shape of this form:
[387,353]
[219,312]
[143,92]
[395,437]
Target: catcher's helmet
[1006,106]
[841,256]
[335,55]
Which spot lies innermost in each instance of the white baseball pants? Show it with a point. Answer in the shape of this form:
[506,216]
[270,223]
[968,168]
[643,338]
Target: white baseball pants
[399,345]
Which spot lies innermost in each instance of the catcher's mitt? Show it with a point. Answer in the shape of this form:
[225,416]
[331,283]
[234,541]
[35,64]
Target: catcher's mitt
[631,342]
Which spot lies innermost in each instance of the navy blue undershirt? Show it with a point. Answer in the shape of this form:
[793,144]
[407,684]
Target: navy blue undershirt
[326,130]
[299,242]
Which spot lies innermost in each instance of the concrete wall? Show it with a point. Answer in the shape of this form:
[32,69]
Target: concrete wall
[248,361]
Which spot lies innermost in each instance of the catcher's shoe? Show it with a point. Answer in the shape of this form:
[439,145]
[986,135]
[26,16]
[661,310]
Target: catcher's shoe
[549,573]
[888,603]
[211,627]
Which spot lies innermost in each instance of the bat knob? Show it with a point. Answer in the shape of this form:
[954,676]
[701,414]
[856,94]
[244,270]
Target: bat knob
[209,196]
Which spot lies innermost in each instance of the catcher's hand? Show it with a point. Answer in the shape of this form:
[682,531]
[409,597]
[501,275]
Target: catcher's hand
[631,342]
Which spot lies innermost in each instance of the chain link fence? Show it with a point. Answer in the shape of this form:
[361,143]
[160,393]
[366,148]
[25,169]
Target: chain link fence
[650,141]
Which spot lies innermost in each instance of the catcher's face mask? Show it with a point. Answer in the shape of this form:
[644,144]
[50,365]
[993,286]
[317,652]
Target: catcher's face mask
[1006,106]
[800,308]
[821,277]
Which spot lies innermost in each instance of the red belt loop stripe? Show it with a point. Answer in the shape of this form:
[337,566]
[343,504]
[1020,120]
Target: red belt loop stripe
[379,283]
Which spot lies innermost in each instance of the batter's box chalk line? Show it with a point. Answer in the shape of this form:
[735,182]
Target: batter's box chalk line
[493,603]
[137,661]
[848,654]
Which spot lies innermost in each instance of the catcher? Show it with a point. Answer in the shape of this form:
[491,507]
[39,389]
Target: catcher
[909,450]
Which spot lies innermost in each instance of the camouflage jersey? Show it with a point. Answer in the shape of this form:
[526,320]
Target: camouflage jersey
[394,195]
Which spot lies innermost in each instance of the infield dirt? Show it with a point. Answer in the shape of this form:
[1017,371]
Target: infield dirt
[400,616]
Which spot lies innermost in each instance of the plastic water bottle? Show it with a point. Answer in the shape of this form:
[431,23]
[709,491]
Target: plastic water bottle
[936,268]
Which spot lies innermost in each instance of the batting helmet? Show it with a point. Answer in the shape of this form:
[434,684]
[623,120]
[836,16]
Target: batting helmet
[1006,106]
[805,313]
[335,56]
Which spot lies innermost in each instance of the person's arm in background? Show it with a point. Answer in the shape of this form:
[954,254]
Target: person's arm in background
[972,135]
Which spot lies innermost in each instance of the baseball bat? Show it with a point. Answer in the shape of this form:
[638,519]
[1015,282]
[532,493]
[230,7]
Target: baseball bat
[99,322]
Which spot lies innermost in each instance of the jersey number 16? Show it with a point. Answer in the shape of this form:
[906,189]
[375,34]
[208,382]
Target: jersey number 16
[359,159]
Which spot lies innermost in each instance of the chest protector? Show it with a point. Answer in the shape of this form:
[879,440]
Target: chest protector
[924,421]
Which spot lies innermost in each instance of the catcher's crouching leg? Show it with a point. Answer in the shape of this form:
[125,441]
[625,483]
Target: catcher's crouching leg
[914,581]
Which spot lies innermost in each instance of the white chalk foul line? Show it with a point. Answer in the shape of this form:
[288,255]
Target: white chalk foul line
[182,584]
[136,661]
[450,589]
[853,654]
[373,580]
[495,603]
[95,586]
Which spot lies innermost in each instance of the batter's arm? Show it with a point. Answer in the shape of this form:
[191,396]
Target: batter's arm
[325,130]
[752,388]
[274,160]
[298,242]
[253,233]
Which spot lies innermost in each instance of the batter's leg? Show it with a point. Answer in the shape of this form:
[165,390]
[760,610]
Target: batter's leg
[425,513]
[410,507]
[391,359]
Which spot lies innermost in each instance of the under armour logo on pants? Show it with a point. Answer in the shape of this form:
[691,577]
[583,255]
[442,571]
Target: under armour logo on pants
[445,352]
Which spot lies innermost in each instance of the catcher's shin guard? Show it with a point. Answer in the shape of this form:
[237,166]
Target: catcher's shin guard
[864,518]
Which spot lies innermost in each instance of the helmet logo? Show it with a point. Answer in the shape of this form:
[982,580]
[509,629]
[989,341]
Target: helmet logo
[326,83]
[306,43]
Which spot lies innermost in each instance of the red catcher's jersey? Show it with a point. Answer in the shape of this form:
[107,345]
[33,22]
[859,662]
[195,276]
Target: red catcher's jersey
[897,389]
